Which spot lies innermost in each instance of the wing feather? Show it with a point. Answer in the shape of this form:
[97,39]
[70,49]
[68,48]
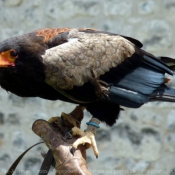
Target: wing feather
[86,52]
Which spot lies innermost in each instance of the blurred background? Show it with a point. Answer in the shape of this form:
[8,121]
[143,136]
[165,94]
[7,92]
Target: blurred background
[143,140]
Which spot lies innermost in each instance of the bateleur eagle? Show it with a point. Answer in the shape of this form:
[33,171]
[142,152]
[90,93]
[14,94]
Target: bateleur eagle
[97,70]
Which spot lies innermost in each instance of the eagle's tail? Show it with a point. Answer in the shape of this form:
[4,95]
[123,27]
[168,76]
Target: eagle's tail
[163,93]
[142,83]
[170,62]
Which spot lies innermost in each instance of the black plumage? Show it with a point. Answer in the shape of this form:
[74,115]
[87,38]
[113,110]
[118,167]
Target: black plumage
[134,82]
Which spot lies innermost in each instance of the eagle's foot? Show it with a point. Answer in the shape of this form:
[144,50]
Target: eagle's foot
[87,139]
[73,119]
[101,87]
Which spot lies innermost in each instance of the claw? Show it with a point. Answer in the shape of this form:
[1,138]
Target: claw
[87,138]
[72,150]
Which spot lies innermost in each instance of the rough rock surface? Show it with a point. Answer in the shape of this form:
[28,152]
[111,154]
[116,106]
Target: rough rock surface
[143,140]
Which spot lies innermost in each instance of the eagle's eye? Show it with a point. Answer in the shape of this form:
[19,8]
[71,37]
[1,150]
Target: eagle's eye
[13,53]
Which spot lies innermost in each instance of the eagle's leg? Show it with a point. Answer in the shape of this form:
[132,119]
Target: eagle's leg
[100,86]
[87,137]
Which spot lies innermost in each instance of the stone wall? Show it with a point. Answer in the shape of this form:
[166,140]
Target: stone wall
[143,140]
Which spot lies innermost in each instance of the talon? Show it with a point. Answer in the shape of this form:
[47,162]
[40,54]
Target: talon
[87,139]
[72,150]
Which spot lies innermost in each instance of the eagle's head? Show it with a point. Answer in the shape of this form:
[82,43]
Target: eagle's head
[22,54]
[21,67]
[21,48]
